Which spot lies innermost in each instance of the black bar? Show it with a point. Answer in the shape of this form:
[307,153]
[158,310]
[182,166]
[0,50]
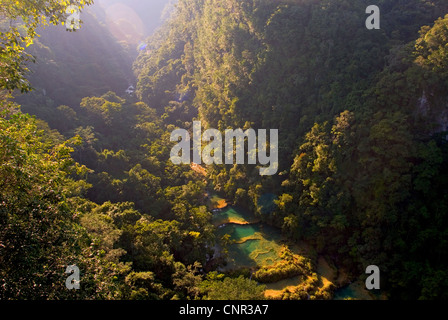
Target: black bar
[168,310]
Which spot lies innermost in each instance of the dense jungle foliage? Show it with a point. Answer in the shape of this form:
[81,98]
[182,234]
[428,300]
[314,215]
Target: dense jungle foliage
[86,176]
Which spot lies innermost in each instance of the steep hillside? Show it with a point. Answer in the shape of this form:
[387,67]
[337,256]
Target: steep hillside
[72,65]
[359,114]
[93,180]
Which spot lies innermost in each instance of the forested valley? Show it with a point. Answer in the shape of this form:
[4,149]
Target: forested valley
[86,177]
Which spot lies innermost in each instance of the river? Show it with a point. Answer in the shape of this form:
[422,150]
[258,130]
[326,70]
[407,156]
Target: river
[257,244]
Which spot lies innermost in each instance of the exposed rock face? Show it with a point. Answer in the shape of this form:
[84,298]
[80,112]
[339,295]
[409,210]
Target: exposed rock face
[423,105]
[435,110]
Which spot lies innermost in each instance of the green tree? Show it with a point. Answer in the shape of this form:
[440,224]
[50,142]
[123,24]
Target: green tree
[233,289]
[39,234]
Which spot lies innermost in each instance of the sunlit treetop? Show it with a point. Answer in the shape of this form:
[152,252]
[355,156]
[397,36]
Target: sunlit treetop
[432,47]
